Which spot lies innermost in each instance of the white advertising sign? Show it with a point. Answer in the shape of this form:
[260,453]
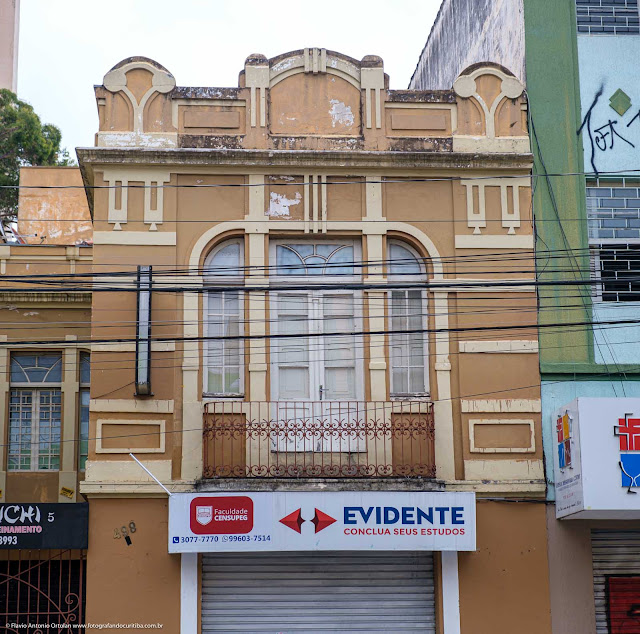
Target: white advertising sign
[597,458]
[295,521]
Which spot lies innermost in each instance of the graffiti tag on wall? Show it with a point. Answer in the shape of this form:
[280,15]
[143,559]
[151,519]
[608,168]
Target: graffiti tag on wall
[606,133]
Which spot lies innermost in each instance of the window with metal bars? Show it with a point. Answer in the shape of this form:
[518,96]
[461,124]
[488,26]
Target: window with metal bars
[35,412]
[615,269]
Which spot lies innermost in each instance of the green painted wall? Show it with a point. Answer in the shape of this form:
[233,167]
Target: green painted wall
[554,101]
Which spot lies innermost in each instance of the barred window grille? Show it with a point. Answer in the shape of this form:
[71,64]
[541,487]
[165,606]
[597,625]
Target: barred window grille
[44,587]
[608,17]
[616,272]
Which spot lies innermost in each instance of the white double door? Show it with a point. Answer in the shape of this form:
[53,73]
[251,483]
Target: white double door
[316,371]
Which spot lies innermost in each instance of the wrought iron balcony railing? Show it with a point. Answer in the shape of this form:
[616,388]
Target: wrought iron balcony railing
[349,439]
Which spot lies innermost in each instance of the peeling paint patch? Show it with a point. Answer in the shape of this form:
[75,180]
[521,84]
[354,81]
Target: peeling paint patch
[31,314]
[281,178]
[279,204]
[340,113]
[283,65]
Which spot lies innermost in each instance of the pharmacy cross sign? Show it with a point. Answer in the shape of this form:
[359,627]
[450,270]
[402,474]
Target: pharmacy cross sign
[628,431]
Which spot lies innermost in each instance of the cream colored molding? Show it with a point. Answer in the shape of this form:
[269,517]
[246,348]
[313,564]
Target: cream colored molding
[156,346]
[70,387]
[5,254]
[315,214]
[506,405]
[477,219]
[98,471]
[116,81]
[153,180]
[372,82]
[192,399]
[500,145]
[146,140]
[373,198]
[376,301]
[304,62]
[68,480]
[520,488]
[135,238]
[497,470]
[505,346]
[257,79]
[487,285]
[494,241]
[510,88]
[160,426]
[127,405]
[315,60]
[176,103]
[473,448]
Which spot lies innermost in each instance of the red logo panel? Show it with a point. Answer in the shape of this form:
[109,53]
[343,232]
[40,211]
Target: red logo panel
[221,515]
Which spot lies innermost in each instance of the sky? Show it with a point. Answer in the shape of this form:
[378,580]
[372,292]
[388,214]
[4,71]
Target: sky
[67,46]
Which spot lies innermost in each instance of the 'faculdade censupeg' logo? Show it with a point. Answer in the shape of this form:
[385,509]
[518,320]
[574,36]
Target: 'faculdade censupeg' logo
[221,516]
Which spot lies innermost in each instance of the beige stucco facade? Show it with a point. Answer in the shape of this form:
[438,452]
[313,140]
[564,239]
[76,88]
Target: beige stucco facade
[313,147]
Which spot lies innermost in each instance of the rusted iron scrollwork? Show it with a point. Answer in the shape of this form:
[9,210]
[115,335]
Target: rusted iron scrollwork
[318,440]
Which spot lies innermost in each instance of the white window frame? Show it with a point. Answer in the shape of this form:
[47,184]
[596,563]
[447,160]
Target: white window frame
[216,281]
[316,351]
[36,389]
[422,277]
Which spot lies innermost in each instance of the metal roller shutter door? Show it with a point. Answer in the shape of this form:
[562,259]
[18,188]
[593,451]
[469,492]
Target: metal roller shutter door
[318,592]
[614,553]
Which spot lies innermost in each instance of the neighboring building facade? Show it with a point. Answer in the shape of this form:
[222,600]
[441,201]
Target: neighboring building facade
[44,410]
[9,36]
[323,376]
[581,80]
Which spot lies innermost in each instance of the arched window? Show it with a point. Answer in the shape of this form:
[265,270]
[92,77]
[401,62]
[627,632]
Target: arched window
[224,316]
[407,311]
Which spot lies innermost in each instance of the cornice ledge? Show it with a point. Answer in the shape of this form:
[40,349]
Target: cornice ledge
[30,297]
[390,160]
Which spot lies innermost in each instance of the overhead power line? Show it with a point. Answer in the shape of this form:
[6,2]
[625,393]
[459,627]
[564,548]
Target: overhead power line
[356,180]
[248,337]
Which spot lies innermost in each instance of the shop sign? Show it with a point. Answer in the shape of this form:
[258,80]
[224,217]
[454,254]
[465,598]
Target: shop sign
[32,525]
[300,521]
[597,459]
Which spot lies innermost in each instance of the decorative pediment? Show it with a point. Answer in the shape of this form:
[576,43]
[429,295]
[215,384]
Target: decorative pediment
[135,106]
[491,111]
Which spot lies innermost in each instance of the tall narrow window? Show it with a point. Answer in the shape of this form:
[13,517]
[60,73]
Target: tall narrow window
[407,313]
[224,316]
[35,412]
[83,431]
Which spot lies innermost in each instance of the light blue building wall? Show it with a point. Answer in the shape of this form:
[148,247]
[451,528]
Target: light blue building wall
[609,79]
[555,394]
